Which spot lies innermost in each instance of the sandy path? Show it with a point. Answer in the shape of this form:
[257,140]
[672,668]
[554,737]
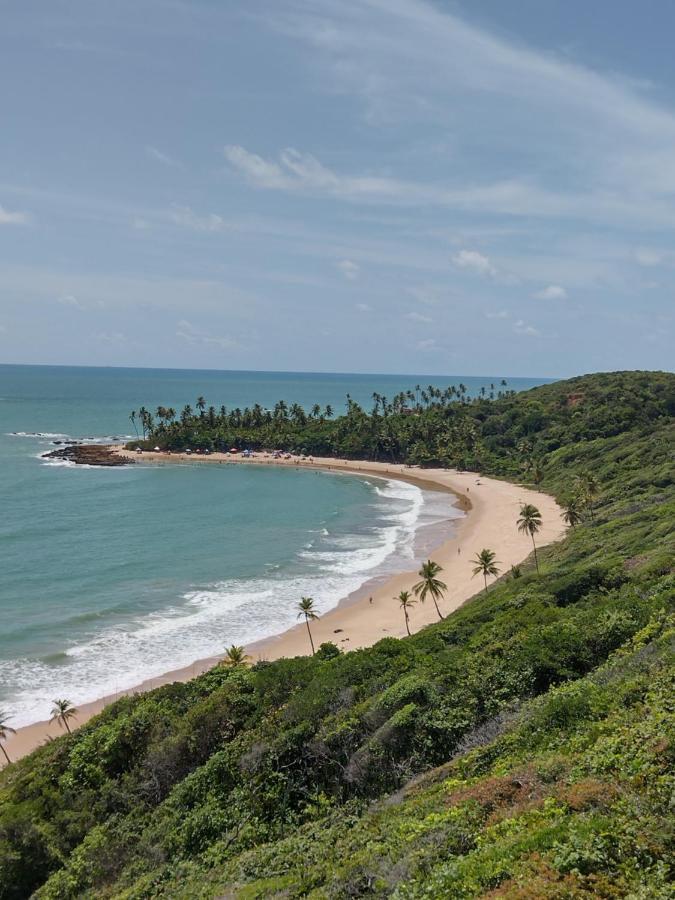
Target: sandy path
[372,613]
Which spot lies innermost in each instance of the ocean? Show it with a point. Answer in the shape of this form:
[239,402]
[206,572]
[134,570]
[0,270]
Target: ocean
[113,576]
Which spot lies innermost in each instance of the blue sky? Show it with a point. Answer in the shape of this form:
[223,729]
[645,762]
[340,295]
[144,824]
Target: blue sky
[344,185]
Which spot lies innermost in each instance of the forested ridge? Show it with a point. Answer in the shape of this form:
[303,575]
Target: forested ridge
[521,748]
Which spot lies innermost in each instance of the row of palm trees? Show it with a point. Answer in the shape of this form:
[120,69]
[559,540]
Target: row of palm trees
[62,711]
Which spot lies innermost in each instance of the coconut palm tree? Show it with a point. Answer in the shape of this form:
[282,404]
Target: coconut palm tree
[589,488]
[430,584]
[406,603]
[529,523]
[5,732]
[61,712]
[306,608]
[485,564]
[234,657]
[572,512]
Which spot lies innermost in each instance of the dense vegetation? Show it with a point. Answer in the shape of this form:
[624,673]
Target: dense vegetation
[521,748]
[490,432]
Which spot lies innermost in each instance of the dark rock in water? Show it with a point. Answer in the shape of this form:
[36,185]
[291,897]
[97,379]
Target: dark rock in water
[57,442]
[90,455]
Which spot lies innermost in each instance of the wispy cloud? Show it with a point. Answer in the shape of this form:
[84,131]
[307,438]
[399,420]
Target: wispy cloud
[14,217]
[349,269]
[522,327]
[115,338]
[161,157]
[187,218]
[419,318]
[645,256]
[73,302]
[364,307]
[552,292]
[499,314]
[412,60]
[194,335]
[474,262]
[429,345]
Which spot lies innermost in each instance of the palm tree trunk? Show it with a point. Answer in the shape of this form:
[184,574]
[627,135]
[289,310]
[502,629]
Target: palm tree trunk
[65,722]
[5,753]
[485,580]
[310,635]
[407,627]
[440,614]
[536,561]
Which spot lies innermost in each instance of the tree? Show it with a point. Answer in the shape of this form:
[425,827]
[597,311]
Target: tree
[306,609]
[406,603]
[430,584]
[234,657]
[5,731]
[61,712]
[485,564]
[529,523]
[589,488]
[572,512]
[132,419]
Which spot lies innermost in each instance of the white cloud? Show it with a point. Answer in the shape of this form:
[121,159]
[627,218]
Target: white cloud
[193,335]
[552,292]
[647,257]
[418,317]
[499,314]
[522,327]
[296,171]
[428,346]
[364,307]
[417,61]
[474,261]
[110,337]
[349,269]
[74,302]
[163,158]
[186,218]
[13,218]
[70,300]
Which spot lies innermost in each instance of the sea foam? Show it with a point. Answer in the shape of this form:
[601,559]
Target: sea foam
[205,620]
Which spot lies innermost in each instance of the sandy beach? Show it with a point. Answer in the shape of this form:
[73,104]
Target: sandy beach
[491,509]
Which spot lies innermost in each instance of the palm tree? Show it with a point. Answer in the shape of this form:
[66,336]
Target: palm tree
[572,512]
[485,564]
[61,712]
[589,489]
[306,608]
[530,523]
[430,584]
[132,419]
[406,602]
[234,657]
[5,732]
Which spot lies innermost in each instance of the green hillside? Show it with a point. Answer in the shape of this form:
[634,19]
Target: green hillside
[521,748]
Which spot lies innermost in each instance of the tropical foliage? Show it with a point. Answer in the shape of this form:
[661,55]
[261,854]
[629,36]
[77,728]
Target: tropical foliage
[522,747]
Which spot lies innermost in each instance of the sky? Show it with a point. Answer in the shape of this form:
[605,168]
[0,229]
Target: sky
[338,185]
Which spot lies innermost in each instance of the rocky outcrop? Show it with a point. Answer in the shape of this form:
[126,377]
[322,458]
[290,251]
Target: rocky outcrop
[90,455]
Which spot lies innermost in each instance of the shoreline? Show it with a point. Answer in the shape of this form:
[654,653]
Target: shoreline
[369,613]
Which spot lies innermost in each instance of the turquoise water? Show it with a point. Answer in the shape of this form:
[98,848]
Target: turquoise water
[111,576]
